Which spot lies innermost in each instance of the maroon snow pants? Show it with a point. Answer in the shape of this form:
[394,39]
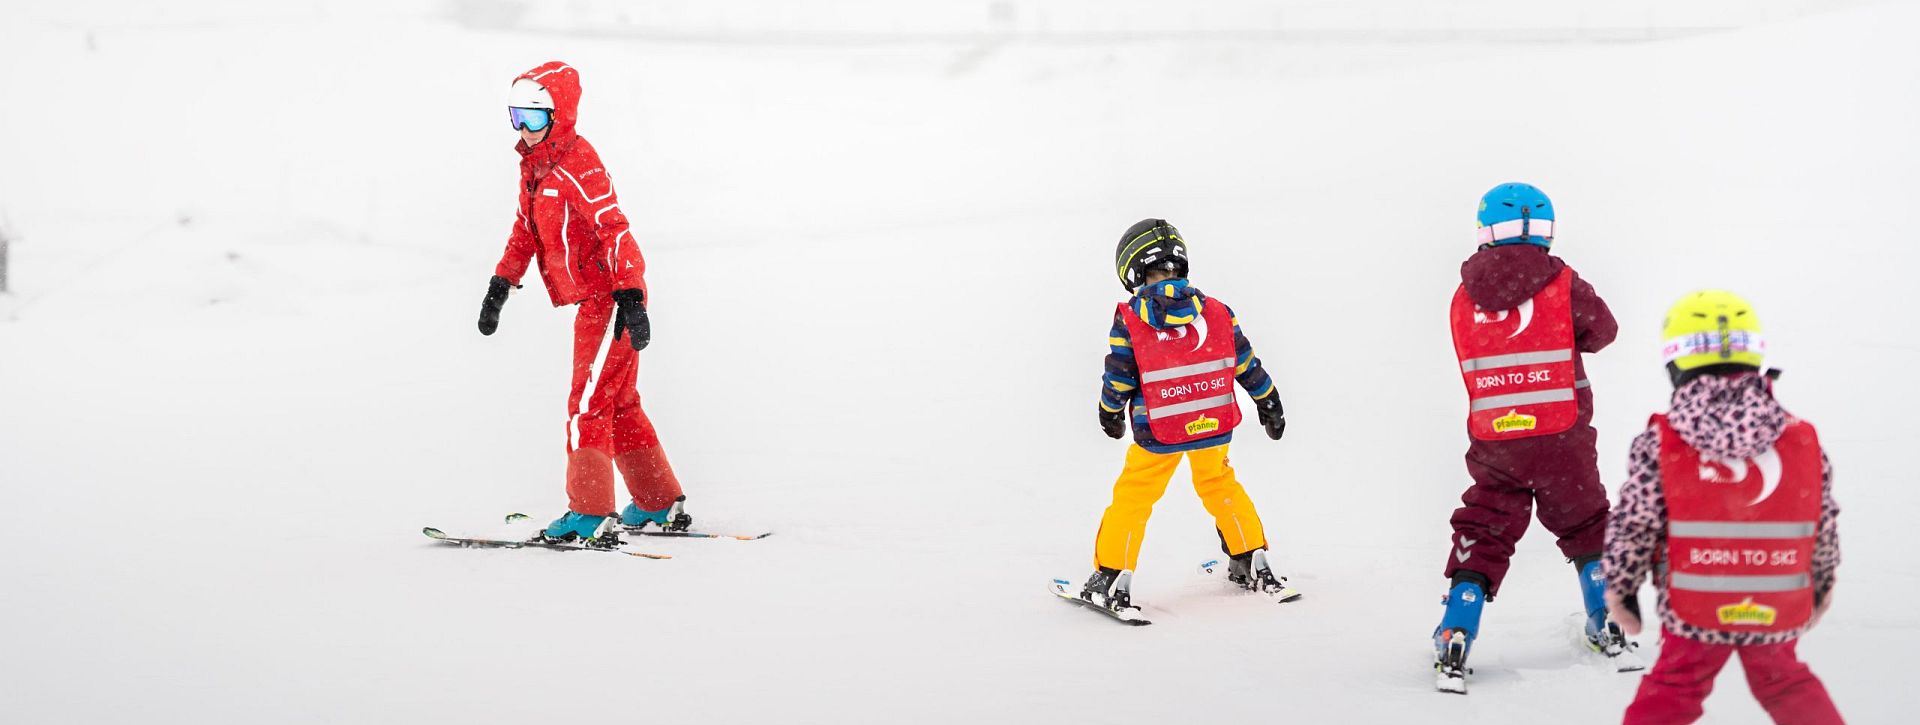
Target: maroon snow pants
[1557,474]
[1683,677]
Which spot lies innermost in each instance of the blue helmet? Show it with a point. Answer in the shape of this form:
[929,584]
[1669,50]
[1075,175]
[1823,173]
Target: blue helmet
[1516,213]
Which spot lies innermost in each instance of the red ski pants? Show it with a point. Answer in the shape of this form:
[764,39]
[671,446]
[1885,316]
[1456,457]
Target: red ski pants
[605,426]
[1682,678]
[1557,475]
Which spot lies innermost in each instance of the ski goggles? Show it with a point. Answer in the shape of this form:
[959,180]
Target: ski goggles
[1708,346]
[529,119]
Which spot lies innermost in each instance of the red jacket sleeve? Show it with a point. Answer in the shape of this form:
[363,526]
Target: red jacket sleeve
[520,246]
[1593,324]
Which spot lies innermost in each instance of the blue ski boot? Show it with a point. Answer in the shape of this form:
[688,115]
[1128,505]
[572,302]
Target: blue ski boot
[1454,637]
[671,519]
[589,530]
[1603,636]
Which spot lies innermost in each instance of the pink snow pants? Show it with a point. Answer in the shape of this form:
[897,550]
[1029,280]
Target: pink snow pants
[1683,677]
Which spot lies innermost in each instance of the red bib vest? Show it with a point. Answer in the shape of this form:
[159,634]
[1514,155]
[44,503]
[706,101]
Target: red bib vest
[1740,534]
[1186,374]
[1518,363]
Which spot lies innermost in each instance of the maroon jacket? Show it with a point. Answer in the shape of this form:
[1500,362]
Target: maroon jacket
[1500,278]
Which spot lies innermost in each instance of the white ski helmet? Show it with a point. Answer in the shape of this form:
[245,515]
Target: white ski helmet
[525,93]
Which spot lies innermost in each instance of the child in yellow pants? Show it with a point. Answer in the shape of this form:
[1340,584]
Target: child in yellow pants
[1144,480]
[1173,365]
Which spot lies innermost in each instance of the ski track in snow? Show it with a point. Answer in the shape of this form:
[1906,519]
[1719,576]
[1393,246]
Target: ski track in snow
[238,366]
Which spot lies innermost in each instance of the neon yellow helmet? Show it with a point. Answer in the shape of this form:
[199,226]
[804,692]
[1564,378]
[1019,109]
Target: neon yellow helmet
[1712,327]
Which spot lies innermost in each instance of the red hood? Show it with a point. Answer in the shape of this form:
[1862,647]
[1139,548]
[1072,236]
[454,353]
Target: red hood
[1500,278]
[563,83]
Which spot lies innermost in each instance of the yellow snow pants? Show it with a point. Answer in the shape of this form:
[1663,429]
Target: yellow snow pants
[1141,484]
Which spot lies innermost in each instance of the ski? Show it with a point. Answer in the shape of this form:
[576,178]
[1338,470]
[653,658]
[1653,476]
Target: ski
[1628,661]
[637,531]
[696,534]
[1065,590]
[466,543]
[1218,567]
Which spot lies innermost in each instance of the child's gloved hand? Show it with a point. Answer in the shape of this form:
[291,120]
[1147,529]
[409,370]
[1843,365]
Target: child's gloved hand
[631,318]
[1115,424]
[490,306]
[1272,416]
[1625,612]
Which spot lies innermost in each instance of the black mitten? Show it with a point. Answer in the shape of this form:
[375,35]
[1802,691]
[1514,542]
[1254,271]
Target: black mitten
[1272,416]
[1115,424]
[490,307]
[631,318]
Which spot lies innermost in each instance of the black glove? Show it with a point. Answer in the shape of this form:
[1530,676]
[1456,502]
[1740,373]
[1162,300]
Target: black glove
[631,318]
[1115,424]
[490,307]
[1272,416]
[1631,603]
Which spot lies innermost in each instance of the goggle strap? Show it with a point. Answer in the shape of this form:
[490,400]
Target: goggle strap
[1713,343]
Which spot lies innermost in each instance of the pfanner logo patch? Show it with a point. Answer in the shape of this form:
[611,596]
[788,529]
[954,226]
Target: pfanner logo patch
[1514,420]
[1203,424]
[1747,613]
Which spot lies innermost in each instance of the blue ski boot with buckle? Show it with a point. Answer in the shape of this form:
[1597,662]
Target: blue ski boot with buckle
[588,529]
[671,518]
[1603,636]
[1453,639]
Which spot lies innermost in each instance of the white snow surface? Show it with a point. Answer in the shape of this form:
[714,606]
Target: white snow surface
[239,369]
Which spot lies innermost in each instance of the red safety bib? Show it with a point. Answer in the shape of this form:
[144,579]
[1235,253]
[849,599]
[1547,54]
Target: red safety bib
[1740,534]
[1186,374]
[1518,363]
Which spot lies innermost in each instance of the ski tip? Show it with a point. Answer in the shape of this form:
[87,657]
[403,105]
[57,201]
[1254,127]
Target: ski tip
[517,517]
[647,555]
[433,532]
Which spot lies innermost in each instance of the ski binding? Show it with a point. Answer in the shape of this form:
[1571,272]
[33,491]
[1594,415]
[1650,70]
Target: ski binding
[642,531]
[1282,595]
[1450,666]
[1066,590]
[1619,650]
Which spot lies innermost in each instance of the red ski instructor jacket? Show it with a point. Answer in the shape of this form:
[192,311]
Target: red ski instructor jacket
[569,217]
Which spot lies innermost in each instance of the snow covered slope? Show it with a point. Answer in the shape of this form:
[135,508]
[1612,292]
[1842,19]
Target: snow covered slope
[238,368]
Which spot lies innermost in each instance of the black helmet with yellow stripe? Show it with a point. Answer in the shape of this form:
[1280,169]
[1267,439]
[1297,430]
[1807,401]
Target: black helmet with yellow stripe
[1148,245]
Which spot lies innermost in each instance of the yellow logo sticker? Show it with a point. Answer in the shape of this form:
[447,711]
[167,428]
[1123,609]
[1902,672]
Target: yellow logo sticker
[1746,612]
[1203,424]
[1512,421]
